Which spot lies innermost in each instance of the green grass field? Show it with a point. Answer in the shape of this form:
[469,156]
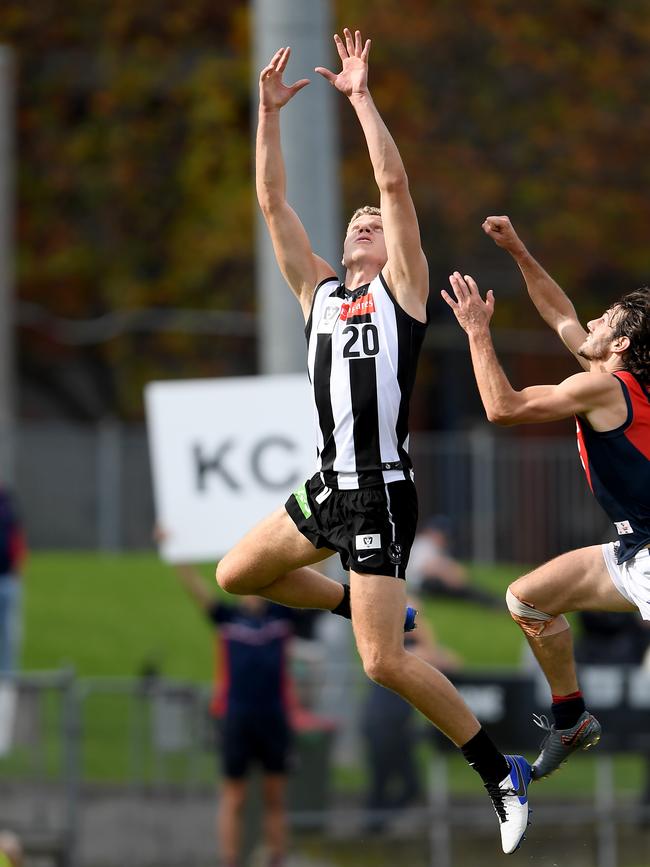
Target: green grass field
[111,616]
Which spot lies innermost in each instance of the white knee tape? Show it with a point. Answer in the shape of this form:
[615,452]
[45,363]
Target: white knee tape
[525,611]
[533,621]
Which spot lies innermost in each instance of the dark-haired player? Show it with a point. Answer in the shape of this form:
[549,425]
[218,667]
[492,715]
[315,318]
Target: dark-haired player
[610,400]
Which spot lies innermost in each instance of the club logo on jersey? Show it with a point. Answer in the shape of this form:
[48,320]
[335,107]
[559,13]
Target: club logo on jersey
[367,541]
[360,307]
[623,527]
[329,318]
[395,553]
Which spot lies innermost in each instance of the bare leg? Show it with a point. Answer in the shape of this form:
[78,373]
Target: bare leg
[273,561]
[576,581]
[229,819]
[554,653]
[275,819]
[378,622]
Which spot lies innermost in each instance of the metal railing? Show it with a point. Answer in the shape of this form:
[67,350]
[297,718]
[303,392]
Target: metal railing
[510,498]
[158,772]
[39,762]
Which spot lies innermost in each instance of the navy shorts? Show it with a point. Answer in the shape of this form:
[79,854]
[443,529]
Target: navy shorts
[371,529]
[254,737]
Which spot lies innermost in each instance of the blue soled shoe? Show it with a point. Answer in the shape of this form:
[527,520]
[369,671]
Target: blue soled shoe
[510,802]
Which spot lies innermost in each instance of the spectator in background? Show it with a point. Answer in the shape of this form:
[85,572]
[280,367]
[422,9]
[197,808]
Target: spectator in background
[433,570]
[11,851]
[252,701]
[389,727]
[12,553]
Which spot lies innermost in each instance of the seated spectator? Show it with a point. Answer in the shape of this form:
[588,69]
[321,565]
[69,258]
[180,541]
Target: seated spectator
[433,570]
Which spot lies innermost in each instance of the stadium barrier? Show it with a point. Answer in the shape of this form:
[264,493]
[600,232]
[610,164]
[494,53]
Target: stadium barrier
[39,763]
[511,498]
[152,742]
[619,696]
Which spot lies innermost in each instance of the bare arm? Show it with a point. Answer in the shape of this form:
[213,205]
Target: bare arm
[552,303]
[300,266]
[598,396]
[194,584]
[406,269]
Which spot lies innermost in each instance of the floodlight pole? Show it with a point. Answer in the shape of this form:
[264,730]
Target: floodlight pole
[7,362]
[310,148]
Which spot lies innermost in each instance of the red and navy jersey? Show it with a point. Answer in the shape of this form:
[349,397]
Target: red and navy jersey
[251,673]
[617,464]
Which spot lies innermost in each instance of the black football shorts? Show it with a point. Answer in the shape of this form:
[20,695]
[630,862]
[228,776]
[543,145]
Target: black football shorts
[371,529]
[257,737]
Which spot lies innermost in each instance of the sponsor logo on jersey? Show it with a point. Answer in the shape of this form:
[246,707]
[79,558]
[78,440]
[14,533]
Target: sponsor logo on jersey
[367,541]
[360,307]
[623,527]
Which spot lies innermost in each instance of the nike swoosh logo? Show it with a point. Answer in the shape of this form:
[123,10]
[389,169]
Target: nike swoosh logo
[521,786]
[367,557]
[569,740]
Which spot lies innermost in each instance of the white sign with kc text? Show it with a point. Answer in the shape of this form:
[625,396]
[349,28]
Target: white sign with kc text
[225,453]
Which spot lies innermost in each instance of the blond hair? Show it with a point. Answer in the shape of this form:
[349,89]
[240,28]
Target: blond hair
[366,209]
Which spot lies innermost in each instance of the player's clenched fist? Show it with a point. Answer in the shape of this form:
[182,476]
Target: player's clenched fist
[502,232]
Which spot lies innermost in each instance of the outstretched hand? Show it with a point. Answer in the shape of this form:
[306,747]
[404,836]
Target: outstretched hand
[471,311]
[274,93]
[502,232]
[353,77]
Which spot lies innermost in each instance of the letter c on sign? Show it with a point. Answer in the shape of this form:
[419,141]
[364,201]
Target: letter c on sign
[261,462]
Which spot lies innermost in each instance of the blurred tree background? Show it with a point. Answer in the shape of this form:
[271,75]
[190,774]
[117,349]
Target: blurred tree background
[135,176]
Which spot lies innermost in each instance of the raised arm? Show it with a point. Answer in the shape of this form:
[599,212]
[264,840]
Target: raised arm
[193,582]
[406,270]
[301,268]
[598,396]
[552,303]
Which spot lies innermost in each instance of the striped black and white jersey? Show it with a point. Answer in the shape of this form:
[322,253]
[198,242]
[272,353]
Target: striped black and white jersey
[363,350]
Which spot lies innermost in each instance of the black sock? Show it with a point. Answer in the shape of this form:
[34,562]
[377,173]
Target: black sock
[485,758]
[568,710]
[343,608]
